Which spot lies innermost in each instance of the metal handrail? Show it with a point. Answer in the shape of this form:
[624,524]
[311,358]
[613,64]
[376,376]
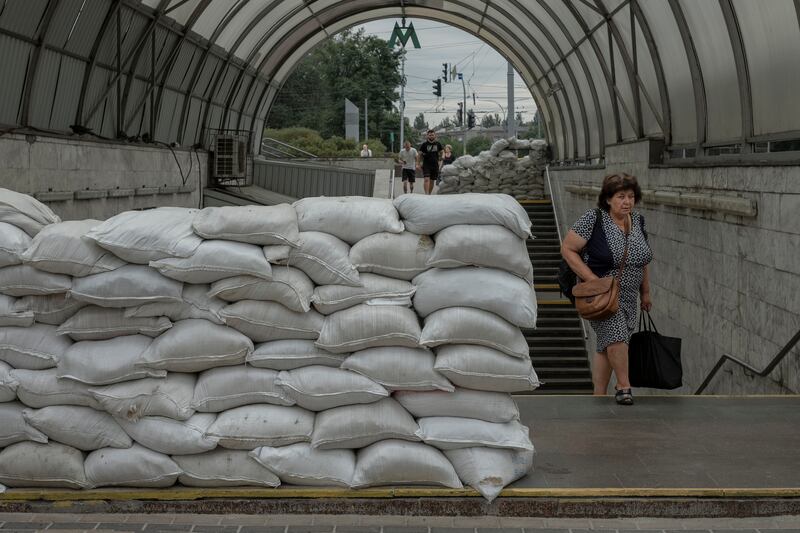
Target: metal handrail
[762,373]
[286,145]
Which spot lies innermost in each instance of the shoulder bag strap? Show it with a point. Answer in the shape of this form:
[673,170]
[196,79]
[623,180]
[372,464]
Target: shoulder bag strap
[625,253]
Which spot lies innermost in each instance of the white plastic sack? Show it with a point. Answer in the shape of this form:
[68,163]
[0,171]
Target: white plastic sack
[172,437]
[220,389]
[266,321]
[251,426]
[398,368]
[24,280]
[9,316]
[14,427]
[106,362]
[496,291]
[359,425]
[397,255]
[364,326]
[61,249]
[468,325]
[289,287]
[292,353]
[144,236]
[450,433]
[317,388]
[25,212]
[54,309]
[498,146]
[42,388]
[215,260]
[397,462]
[350,218]
[277,253]
[488,470]
[83,428]
[194,303]
[300,464]
[465,403]
[32,348]
[376,290]
[325,259]
[54,465]
[8,386]
[170,397]
[131,467]
[481,368]
[223,468]
[127,286]
[13,242]
[254,224]
[94,323]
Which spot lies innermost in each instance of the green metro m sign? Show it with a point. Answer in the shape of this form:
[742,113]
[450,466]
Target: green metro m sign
[404,36]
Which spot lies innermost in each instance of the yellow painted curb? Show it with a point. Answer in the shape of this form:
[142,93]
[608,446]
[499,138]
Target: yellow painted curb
[554,302]
[545,286]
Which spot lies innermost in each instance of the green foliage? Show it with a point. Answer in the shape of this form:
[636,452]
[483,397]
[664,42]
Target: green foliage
[311,141]
[419,123]
[477,144]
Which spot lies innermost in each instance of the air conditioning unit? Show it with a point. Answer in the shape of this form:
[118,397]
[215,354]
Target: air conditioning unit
[230,157]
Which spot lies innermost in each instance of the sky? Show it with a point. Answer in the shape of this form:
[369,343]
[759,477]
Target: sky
[485,72]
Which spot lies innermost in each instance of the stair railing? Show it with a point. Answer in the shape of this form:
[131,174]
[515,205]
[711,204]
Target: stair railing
[762,373]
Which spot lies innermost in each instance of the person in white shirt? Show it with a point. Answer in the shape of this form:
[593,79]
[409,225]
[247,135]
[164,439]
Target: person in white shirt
[365,151]
[408,158]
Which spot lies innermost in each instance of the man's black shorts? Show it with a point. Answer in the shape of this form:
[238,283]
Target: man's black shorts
[430,172]
[409,175]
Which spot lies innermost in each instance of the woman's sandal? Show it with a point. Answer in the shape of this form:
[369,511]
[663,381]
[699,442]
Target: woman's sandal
[624,397]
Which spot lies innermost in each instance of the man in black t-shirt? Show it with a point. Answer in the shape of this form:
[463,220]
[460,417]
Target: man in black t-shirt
[429,154]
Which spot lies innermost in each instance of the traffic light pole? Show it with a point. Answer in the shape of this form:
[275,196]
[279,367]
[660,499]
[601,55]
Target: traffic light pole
[464,110]
[402,100]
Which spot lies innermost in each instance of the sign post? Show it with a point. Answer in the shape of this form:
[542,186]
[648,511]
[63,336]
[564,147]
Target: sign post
[403,34]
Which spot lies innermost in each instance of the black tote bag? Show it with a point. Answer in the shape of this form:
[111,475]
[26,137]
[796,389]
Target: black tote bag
[654,360]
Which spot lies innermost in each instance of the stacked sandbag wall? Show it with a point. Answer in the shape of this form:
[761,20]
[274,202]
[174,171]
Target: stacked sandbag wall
[348,342]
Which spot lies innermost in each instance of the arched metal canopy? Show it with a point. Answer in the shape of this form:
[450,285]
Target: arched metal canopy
[705,76]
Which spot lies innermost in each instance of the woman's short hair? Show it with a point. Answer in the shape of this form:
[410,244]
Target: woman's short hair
[614,183]
[448,147]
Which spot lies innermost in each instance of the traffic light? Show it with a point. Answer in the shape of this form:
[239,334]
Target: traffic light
[437,87]
[445,70]
[470,119]
[460,116]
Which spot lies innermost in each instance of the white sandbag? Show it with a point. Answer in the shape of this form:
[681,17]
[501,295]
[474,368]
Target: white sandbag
[451,433]
[397,462]
[9,316]
[8,386]
[14,427]
[33,348]
[289,287]
[25,212]
[170,397]
[223,468]
[498,146]
[300,464]
[254,224]
[266,321]
[131,467]
[292,353]
[195,345]
[488,470]
[364,326]
[359,425]
[94,323]
[13,243]
[468,325]
[428,214]
[317,388]
[465,403]
[194,303]
[24,280]
[397,255]
[53,465]
[398,368]
[106,362]
[144,236]
[487,246]
[42,388]
[276,253]
[482,368]
[220,389]
[54,309]
[251,426]
[350,218]
[496,291]
[376,290]
[127,286]
[215,260]
[61,249]
[325,259]
[172,437]
[83,428]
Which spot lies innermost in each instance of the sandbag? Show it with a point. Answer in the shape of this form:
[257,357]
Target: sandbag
[24,280]
[289,287]
[451,433]
[266,321]
[33,348]
[254,224]
[54,309]
[14,427]
[220,389]
[53,465]
[251,426]
[496,291]
[428,214]
[13,243]
[9,316]
[465,403]
[94,323]
[325,259]
[106,362]
[300,464]
[42,388]
[364,326]
[195,345]
[223,468]
[350,218]
[170,397]
[127,286]
[83,428]
[359,425]
[396,255]
[194,303]
[276,253]
[144,236]
[468,325]
[317,388]
[25,212]
[376,290]
[398,462]
[216,260]
[488,470]
[131,467]
[61,249]
[481,368]
[398,368]
[172,437]
[292,353]
[8,386]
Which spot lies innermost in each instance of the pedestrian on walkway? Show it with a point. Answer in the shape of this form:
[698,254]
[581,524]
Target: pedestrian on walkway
[430,153]
[365,151]
[447,159]
[408,158]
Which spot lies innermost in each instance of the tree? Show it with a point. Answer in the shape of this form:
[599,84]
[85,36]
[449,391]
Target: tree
[490,120]
[419,123]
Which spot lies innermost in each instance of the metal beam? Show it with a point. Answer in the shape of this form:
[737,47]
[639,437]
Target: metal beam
[35,61]
[666,125]
[742,71]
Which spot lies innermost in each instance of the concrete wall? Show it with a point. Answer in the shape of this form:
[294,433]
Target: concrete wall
[81,179]
[726,273]
[359,163]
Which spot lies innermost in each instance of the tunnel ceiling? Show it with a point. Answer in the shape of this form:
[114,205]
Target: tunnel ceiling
[706,76]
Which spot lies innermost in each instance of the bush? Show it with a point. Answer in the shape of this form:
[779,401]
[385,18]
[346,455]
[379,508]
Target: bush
[311,141]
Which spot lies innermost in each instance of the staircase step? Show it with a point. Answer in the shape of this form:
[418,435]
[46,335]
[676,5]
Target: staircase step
[576,382]
[538,342]
[559,351]
[563,332]
[547,362]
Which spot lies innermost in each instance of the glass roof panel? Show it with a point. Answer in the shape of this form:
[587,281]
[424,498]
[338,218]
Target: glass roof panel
[214,14]
[181,11]
[585,88]
[568,19]
[591,16]
[603,95]
[271,21]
